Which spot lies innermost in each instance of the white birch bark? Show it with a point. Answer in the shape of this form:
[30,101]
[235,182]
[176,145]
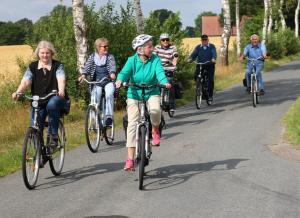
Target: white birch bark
[226,33]
[80,33]
[270,14]
[238,31]
[139,17]
[265,24]
[297,19]
[282,20]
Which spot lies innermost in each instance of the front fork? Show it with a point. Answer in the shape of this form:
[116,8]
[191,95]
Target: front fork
[253,77]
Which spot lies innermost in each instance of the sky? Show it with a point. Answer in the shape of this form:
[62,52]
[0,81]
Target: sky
[13,10]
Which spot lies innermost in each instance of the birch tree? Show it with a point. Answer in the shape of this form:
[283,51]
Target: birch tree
[238,31]
[226,33]
[80,33]
[265,25]
[297,19]
[282,20]
[139,17]
[270,14]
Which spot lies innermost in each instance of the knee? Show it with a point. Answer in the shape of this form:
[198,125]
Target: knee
[53,103]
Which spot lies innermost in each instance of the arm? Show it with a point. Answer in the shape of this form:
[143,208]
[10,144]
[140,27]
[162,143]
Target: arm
[160,73]
[112,67]
[194,55]
[25,83]
[214,54]
[61,80]
[87,68]
[245,53]
[264,50]
[125,73]
[175,56]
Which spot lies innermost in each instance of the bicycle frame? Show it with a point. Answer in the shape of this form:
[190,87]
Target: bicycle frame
[253,73]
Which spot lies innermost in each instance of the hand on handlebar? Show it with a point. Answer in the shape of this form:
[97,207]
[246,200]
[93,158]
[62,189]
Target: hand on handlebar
[81,78]
[118,84]
[168,86]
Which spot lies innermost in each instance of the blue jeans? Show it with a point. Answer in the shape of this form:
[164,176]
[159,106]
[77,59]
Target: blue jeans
[109,96]
[52,109]
[259,66]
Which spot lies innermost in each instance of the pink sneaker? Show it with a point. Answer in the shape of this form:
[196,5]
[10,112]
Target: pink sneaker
[155,138]
[129,165]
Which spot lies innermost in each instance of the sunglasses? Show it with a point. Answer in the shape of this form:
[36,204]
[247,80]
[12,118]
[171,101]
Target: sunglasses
[165,40]
[104,46]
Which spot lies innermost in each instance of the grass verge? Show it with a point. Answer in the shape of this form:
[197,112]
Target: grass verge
[292,121]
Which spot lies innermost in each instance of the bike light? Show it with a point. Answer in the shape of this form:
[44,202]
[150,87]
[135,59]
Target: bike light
[35,98]
[35,104]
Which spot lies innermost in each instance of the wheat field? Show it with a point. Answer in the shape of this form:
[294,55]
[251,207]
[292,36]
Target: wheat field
[190,43]
[9,70]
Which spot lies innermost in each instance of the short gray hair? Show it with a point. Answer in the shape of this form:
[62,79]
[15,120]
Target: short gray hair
[254,35]
[45,44]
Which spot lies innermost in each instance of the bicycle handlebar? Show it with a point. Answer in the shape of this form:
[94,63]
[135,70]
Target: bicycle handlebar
[95,82]
[143,86]
[199,63]
[255,59]
[36,97]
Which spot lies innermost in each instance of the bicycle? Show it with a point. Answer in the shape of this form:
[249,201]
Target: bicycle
[34,153]
[254,82]
[143,131]
[95,121]
[201,92]
[168,96]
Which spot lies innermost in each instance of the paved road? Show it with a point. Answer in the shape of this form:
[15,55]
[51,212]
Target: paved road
[212,163]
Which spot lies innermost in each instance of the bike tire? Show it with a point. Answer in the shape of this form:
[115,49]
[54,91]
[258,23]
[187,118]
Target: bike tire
[254,93]
[198,95]
[142,155]
[56,160]
[109,134]
[31,151]
[92,128]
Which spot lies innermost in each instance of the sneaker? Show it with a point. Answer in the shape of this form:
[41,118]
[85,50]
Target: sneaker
[172,110]
[108,121]
[261,92]
[155,138]
[129,165]
[248,89]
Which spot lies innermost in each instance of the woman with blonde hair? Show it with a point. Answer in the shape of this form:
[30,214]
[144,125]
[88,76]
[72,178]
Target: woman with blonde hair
[44,76]
[102,64]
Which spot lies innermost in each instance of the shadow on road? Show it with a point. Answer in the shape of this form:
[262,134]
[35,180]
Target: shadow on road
[81,173]
[111,216]
[173,175]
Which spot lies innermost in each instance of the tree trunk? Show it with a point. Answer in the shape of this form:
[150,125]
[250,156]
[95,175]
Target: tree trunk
[226,33]
[238,31]
[297,19]
[283,23]
[139,17]
[270,23]
[80,33]
[265,25]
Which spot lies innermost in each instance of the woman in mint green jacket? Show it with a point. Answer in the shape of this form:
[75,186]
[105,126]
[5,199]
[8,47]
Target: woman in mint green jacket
[142,68]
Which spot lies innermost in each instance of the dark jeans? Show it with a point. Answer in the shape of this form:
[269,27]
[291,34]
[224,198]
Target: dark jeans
[211,77]
[53,109]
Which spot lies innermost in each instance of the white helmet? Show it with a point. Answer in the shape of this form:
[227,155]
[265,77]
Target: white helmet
[140,40]
[164,36]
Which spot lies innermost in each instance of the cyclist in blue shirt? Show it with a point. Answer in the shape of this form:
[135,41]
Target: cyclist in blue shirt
[254,50]
[205,52]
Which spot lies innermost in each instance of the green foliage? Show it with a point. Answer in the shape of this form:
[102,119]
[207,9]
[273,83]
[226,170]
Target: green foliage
[15,33]
[190,31]
[282,43]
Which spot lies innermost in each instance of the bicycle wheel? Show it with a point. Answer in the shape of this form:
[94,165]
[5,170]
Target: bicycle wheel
[109,134]
[57,157]
[31,157]
[142,155]
[92,129]
[254,92]
[198,96]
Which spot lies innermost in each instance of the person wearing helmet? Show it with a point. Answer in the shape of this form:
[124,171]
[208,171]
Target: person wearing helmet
[142,68]
[169,56]
[205,52]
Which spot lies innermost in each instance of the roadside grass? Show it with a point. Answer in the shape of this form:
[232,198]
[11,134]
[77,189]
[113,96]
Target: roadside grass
[292,121]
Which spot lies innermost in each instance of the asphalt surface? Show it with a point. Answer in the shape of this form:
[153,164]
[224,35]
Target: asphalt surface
[212,162]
